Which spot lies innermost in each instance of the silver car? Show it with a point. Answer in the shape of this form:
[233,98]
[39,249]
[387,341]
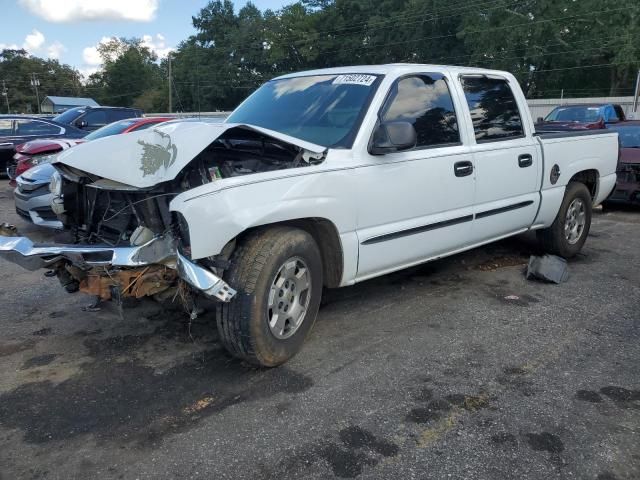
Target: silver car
[33,198]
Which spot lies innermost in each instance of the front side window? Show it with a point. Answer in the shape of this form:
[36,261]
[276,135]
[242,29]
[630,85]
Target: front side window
[321,109]
[494,110]
[36,127]
[425,102]
[97,118]
[610,115]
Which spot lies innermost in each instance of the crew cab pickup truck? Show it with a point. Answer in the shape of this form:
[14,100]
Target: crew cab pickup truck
[319,179]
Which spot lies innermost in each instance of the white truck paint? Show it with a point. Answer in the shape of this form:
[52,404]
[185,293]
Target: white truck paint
[367,196]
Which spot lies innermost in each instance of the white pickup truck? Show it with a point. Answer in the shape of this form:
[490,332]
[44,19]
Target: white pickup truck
[318,179]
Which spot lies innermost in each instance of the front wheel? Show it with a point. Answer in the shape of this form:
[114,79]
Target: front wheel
[567,234]
[278,275]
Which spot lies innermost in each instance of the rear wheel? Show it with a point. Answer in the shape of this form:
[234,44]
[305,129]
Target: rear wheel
[567,234]
[278,275]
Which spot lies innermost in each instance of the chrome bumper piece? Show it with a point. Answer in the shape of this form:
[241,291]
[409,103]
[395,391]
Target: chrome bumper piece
[23,252]
[204,280]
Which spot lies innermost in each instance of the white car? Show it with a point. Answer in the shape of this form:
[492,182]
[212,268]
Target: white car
[318,179]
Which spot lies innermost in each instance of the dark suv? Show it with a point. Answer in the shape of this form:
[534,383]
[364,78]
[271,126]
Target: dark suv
[92,118]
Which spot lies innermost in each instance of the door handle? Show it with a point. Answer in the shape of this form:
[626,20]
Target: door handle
[525,160]
[462,169]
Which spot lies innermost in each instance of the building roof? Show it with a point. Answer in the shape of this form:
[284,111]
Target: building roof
[75,101]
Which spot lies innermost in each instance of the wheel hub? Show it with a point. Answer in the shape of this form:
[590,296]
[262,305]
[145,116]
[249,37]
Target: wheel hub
[575,221]
[289,298]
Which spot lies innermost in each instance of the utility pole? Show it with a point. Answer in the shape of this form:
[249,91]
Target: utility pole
[170,85]
[636,92]
[5,94]
[35,83]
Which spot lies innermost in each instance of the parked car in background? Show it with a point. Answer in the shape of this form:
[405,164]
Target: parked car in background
[93,118]
[581,117]
[17,129]
[628,173]
[32,196]
[321,178]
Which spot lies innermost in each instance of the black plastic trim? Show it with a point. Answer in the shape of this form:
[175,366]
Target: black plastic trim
[445,223]
[508,208]
[415,230]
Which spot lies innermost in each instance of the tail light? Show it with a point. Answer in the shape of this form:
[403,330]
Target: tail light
[23,165]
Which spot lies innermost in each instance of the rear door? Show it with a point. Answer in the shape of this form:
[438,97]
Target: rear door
[416,204]
[506,158]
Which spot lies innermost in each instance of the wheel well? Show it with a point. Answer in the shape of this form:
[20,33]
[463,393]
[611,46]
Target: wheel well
[325,233]
[589,178]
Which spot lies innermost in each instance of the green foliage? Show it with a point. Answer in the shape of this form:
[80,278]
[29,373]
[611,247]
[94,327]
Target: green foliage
[129,71]
[583,47]
[17,69]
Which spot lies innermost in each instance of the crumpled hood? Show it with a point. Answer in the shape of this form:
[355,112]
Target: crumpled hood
[146,158]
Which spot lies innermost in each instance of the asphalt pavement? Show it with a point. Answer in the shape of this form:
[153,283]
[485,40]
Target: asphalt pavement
[459,368]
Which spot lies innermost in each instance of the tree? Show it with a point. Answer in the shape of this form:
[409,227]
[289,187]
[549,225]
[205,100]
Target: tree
[17,68]
[129,71]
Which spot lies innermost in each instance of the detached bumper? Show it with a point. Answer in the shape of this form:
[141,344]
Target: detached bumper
[160,250]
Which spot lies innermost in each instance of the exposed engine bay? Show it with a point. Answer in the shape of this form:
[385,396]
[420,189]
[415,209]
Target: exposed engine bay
[99,211]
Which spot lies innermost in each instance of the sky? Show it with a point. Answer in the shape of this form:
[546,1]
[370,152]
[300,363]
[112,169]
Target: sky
[70,30]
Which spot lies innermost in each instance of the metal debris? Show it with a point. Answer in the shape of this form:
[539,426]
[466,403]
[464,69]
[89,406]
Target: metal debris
[548,268]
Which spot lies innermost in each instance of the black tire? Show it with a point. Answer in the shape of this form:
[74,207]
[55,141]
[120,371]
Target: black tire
[553,239]
[243,323]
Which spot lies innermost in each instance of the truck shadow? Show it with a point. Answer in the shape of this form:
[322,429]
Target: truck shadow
[119,395]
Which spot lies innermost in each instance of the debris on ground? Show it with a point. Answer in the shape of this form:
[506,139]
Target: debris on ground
[548,268]
[501,262]
[8,230]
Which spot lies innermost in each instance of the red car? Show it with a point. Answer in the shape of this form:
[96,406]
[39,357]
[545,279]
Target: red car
[581,117]
[35,152]
[628,182]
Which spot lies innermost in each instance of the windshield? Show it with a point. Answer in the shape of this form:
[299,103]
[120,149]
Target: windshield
[574,114]
[629,136]
[111,129]
[69,116]
[321,109]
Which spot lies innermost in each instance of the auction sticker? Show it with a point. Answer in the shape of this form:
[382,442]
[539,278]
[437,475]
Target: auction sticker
[354,79]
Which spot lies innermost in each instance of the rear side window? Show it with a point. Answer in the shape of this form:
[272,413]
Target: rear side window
[494,111]
[424,101]
[36,127]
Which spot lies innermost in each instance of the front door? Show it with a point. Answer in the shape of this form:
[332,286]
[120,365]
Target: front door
[417,204]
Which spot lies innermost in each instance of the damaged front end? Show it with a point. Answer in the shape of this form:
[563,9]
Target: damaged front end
[113,196]
[116,272]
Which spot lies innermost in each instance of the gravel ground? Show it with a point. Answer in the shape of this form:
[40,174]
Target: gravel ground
[460,368]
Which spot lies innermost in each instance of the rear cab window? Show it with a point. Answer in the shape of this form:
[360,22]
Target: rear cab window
[493,107]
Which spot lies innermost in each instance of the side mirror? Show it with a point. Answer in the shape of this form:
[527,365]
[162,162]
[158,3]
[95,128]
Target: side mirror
[540,120]
[392,137]
[82,124]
